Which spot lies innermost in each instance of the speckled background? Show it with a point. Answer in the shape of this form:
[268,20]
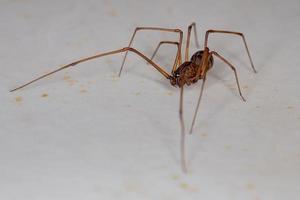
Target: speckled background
[86,134]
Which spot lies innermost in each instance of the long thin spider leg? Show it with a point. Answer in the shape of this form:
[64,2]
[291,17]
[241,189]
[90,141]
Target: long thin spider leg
[205,63]
[202,70]
[234,70]
[193,25]
[234,33]
[156,29]
[161,43]
[198,103]
[156,66]
[182,138]
[176,61]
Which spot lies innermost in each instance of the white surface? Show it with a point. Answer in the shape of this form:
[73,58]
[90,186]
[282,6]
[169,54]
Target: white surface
[119,139]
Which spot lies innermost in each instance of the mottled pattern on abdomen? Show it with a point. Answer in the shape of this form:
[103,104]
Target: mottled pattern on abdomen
[197,57]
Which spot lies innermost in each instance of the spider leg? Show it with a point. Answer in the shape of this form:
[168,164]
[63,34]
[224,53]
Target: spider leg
[234,33]
[155,29]
[202,87]
[234,70]
[161,43]
[198,104]
[202,73]
[126,49]
[182,138]
[193,25]
[176,62]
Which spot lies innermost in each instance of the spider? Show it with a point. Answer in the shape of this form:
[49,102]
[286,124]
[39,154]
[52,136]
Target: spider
[183,73]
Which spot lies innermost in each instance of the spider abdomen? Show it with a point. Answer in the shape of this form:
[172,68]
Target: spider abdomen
[197,58]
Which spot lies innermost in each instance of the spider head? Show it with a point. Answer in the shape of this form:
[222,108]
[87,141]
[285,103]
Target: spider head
[173,80]
[184,74]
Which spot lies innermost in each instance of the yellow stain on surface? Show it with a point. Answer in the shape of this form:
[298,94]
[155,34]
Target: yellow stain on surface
[175,177]
[70,81]
[204,135]
[44,95]
[18,99]
[132,187]
[169,93]
[250,186]
[67,77]
[290,107]
[227,147]
[187,187]
[114,77]
[184,186]
[138,93]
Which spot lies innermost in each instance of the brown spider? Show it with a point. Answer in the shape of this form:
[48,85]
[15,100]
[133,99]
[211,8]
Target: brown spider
[186,73]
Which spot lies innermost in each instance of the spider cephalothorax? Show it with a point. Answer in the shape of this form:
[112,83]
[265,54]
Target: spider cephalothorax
[185,74]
